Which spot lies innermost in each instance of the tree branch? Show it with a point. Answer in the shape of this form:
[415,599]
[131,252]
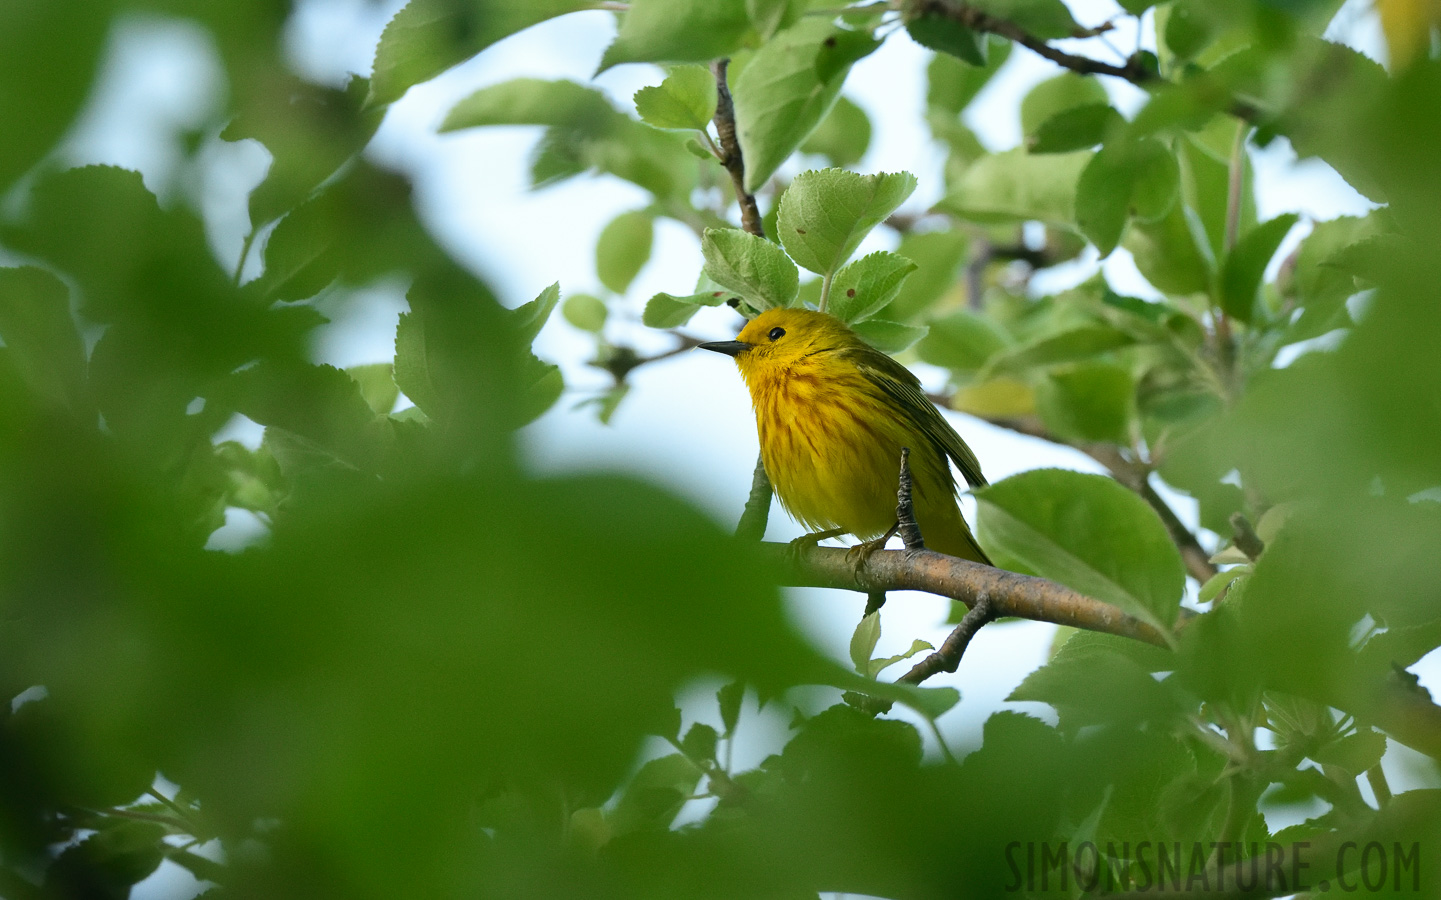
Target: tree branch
[752,525]
[948,658]
[731,158]
[1010,593]
[1403,710]
[976,20]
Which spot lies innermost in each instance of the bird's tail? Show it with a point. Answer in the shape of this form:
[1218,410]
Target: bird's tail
[949,534]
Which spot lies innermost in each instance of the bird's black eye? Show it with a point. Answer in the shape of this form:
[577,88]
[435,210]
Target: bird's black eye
[777,333]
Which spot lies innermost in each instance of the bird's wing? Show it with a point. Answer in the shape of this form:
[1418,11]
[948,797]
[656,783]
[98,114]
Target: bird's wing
[904,388]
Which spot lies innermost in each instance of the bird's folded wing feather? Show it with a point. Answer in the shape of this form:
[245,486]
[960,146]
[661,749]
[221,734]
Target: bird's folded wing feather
[905,389]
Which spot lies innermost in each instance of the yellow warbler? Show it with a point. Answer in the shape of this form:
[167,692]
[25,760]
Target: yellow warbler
[833,414]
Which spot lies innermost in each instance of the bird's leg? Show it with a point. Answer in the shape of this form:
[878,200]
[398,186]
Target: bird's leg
[905,508]
[807,542]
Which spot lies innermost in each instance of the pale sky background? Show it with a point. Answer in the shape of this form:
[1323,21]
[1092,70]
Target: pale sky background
[687,423]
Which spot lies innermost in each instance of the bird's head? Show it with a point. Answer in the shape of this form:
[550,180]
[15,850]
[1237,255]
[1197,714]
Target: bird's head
[778,339]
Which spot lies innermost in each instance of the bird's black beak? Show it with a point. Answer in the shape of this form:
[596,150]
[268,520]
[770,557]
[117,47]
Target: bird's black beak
[729,348]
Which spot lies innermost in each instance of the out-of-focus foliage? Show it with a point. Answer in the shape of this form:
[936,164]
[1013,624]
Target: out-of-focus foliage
[434,675]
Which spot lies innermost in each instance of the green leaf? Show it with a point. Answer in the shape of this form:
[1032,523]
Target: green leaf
[962,341]
[729,700]
[1218,583]
[49,53]
[939,255]
[624,248]
[751,266]
[677,31]
[1090,401]
[1354,753]
[531,317]
[685,100]
[867,285]
[38,330]
[1056,95]
[429,36]
[889,337]
[951,85]
[788,87]
[1076,128]
[1087,532]
[655,796]
[826,213]
[1138,178]
[1093,679]
[530,101]
[699,743]
[377,386]
[1319,283]
[876,666]
[1071,345]
[864,640]
[1015,186]
[1169,255]
[1045,19]
[945,35]
[585,312]
[669,311]
[843,135]
[1246,264]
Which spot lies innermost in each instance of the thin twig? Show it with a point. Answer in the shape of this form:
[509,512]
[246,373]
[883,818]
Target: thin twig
[948,658]
[977,20]
[731,158]
[909,529]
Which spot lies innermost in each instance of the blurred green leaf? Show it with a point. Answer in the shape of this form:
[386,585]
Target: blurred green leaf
[962,340]
[787,88]
[668,311]
[40,335]
[655,796]
[752,267]
[826,213]
[729,699]
[585,312]
[699,743]
[529,101]
[1072,345]
[1246,263]
[49,53]
[951,84]
[889,337]
[1354,753]
[941,33]
[1079,127]
[867,285]
[1015,186]
[377,386]
[938,256]
[1045,19]
[843,135]
[677,31]
[1088,533]
[864,640]
[1219,582]
[1094,680]
[1140,179]
[1091,401]
[685,100]
[624,248]
[1056,95]
[429,36]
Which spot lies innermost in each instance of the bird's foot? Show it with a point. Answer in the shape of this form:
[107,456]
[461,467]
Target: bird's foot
[807,542]
[860,553]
